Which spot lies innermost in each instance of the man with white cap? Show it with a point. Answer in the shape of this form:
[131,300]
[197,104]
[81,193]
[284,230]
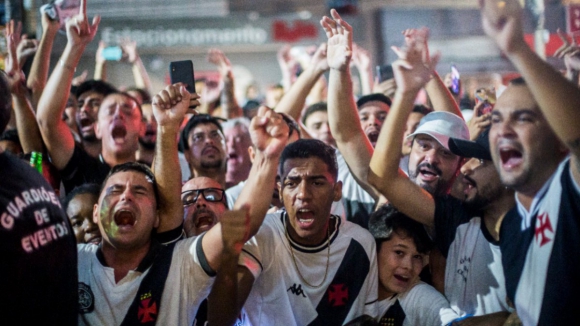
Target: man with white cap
[474,281]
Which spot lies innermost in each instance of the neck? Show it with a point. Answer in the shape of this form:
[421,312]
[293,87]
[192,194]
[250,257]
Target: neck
[145,155]
[113,159]
[215,174]
[93,148]
[384,293]
[494,212]
[123,260]
[314,240]
[233,178]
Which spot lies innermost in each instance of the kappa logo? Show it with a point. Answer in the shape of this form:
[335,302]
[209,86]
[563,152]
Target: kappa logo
[544,227]
[86,299]
[297,290]
[338,295]
[147,309]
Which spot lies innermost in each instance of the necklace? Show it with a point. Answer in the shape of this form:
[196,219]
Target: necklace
[294,258]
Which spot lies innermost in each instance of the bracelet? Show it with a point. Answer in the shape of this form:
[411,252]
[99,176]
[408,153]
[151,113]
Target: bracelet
[62,64]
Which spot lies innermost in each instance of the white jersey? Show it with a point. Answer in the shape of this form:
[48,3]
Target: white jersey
[474,277]
[280,296]
[420,305]
[106,302]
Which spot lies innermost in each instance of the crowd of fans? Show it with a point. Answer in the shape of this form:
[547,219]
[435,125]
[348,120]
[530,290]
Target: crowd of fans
[309,206]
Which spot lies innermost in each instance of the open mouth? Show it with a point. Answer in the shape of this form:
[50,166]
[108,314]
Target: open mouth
[510,157]
[124,218]
[232,156]
[210,150]
[204,221]
[401,278]
[86,124]
[94,239]
[428,174]
[468,184]
[119,131]
[373,136]
[305,217]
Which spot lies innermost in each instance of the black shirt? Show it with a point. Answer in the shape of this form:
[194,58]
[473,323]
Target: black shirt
[38,268]
[83,168]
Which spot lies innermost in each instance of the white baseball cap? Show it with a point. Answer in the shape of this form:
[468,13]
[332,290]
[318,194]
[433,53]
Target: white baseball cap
[442,126]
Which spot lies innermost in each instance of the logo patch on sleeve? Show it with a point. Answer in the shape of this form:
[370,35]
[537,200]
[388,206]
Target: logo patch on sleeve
[86,299]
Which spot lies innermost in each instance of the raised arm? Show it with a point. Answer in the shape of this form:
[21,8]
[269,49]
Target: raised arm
[224,304]
[39,71]
[557,97]
[362,61]
[440,96]
[140,74]
[230,107]
[293,100]
[269,135]
[169,107]
[55,133]
[26,125]
[100,63]
[411,75]
[343,117]
[570,53]
[287,66]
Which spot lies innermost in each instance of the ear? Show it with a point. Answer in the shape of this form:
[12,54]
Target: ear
[252,153]
[279,184]
[98,132]
[337,191]
[425,260]
[96,213]
[157,220]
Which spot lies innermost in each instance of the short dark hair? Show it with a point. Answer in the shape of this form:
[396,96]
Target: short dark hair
[316,107]
[5,102]
[144,93]
[192,123]
[307,148]
[518,81]
[378,97]
[133,167]
[387,219]
[97,86]
[11,135]
[87,188]
[422,109]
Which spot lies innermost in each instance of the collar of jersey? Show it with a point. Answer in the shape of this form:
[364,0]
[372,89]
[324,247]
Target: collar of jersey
[315,248]
[145,263]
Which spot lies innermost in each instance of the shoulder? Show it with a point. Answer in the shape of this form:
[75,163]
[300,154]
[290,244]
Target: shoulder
[357,233]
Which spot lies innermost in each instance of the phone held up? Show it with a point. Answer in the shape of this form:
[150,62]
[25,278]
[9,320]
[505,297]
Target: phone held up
[488,97]
[182,72]
[112,53]
[455,81]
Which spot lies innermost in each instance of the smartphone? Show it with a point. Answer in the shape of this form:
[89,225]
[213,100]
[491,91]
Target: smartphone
[50,10]
[384,73]
[182,72]
[487,97]
[455,80]
[112,53]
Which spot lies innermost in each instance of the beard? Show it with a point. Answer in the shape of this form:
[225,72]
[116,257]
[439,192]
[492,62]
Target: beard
[212,164]
[89,138]
[486,194]
[439,188]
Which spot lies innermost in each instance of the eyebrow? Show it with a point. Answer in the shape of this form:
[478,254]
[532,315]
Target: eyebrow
[312,177]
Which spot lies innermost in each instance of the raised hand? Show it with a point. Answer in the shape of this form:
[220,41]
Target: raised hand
[99,58]
[479,122]
[218,58]
[16,79]
[361,58]
[318,60]
[25,49]
[130,50]
[502,21]
[285,60]
[412,70]
[48,24]
[235,229]
[339,33]
[269,132]
[78,30]
[420,35]
[76,81]
[569,51]
[171,104]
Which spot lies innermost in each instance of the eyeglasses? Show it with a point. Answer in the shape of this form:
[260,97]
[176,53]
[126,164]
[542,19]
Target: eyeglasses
[190,197]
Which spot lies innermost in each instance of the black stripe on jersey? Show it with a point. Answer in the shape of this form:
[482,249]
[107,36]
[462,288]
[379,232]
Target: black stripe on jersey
[514,244]
[255,258]
[561,300]
[202,259]
[345,287]
[395,316]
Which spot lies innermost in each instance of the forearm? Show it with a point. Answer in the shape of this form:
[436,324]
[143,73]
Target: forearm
[168,176]
[100,71]
[440,96]
[230,107]
[293,101]
[38,75]
[385,161]
[558,98]
[141,76]
[366,80]
[261,180]
[28,131]
[223,306]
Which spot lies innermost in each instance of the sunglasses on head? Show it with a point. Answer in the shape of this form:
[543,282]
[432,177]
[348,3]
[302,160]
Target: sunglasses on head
[190,197]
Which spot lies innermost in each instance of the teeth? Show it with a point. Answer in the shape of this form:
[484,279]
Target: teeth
[303,210]
[306,220]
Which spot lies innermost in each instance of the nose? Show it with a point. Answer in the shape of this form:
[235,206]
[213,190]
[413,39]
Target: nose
[200,202]
[432,157]
[372,120]
[469,166]
[89,226]
[303,191]
[127,195]
[325,128]
[406,262]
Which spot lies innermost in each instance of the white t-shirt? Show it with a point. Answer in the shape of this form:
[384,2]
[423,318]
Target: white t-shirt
[421,305]
[186,286]
[280,296]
